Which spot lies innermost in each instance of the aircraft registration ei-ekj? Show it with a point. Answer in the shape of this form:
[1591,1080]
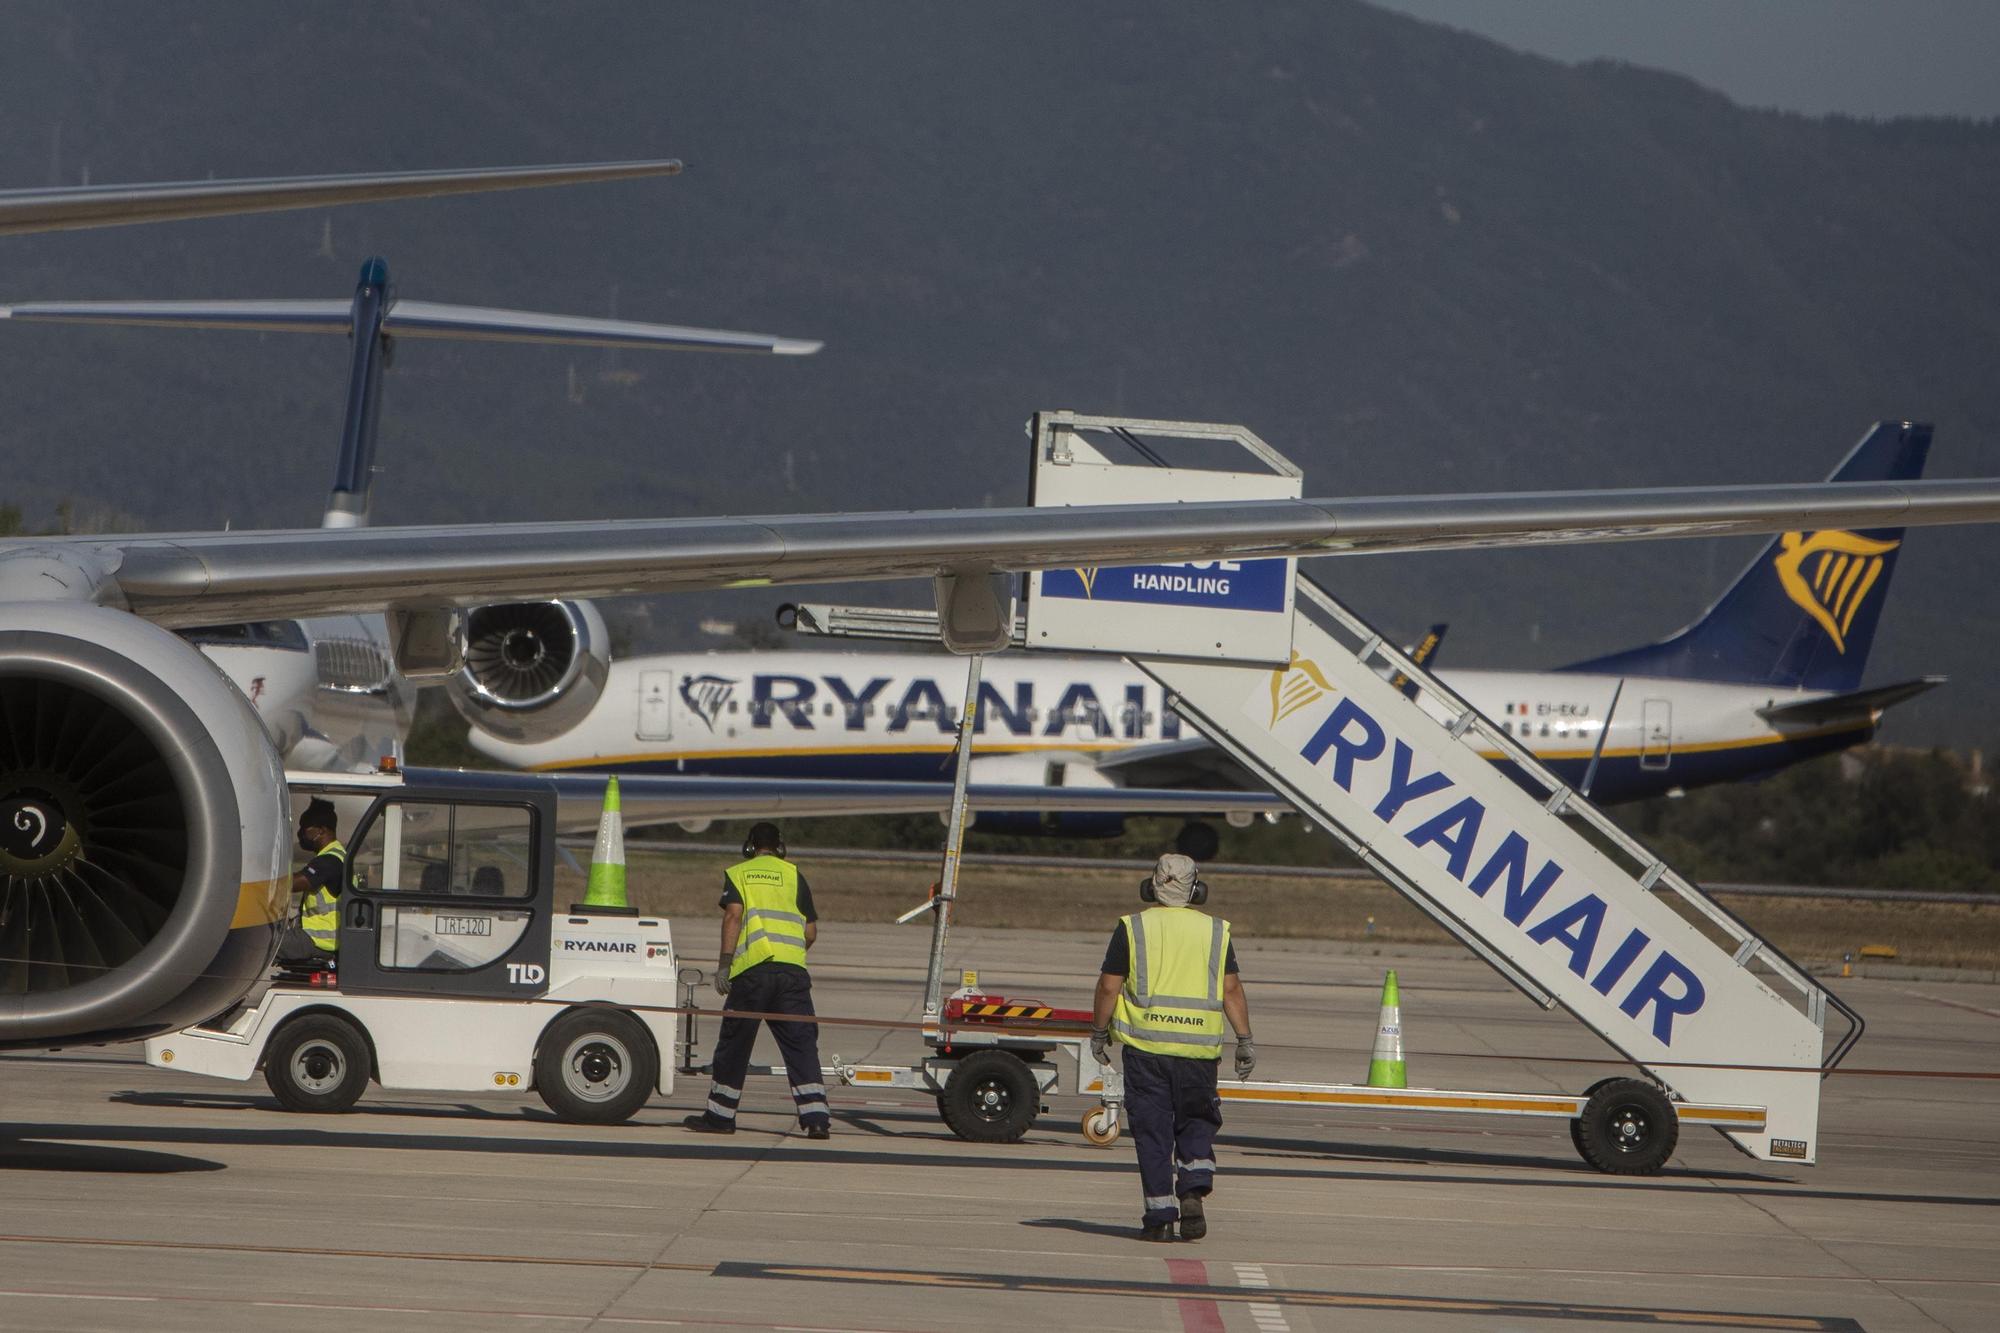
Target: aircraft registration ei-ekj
[1769,676]
[143,809]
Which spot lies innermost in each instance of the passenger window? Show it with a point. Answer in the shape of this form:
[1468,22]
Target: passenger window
[1545,728]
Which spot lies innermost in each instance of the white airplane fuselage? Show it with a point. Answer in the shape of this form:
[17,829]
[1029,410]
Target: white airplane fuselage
[1069,720]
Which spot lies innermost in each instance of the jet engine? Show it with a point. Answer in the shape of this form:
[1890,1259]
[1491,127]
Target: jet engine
[532,669]
[144,823]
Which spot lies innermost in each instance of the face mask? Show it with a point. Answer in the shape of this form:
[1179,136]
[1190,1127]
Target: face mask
[307,842]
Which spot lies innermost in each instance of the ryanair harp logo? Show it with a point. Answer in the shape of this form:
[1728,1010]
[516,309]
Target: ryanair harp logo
[1088,577]
[706,695]
[1829,575]
[1296,686]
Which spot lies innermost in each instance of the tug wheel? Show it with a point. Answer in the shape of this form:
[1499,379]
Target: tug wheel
[317,1063]
[1101,1126]
[596,1067]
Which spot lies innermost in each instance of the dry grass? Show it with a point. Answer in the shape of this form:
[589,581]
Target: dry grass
[1811,930]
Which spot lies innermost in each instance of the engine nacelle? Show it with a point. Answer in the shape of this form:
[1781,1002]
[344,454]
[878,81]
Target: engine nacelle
[144,830]
[532,669]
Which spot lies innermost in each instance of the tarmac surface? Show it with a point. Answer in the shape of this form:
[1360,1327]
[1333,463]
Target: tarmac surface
[137,1198]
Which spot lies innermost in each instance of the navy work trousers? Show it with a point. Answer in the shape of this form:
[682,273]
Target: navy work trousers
[1174,1110]
[771,988]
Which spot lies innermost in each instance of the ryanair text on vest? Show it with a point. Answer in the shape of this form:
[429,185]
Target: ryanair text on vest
[1571,919]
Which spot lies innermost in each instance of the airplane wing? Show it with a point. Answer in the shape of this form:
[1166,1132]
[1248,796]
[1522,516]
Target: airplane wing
[668,797]
[406,319]
[212,578]
[1855,704]
[1190,762]
[72,207]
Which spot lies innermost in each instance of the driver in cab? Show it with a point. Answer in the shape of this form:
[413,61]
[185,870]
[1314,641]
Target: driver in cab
[317,934]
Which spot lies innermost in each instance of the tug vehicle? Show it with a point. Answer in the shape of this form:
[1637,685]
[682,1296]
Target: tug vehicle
[462,967]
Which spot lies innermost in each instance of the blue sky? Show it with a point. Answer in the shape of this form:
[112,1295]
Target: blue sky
[1862,57]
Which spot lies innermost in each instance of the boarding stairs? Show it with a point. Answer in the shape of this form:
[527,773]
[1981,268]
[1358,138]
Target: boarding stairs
[1521,868]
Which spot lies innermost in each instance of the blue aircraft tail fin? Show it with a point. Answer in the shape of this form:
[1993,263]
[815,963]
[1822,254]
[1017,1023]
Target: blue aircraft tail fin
[1803,614]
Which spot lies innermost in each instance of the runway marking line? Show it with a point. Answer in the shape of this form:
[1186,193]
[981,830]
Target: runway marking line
[1198,1315]
[1950,1004]
[221,1247]
[1291,1296]
[1269,1316]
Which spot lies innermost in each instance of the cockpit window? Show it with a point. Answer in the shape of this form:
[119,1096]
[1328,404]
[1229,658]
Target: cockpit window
[281,634]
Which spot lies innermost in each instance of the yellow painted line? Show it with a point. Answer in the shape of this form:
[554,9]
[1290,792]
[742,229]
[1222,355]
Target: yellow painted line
[1539,1313]
[1692,747]
[1742,1118]
[860,751]
[1417,1101]
[259,902]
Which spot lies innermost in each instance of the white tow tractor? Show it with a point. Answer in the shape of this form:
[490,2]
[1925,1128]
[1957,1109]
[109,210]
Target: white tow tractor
[462,968]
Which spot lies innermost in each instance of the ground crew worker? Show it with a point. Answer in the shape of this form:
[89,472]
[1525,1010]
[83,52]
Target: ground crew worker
[318,933]
[1169,979]
[768,923]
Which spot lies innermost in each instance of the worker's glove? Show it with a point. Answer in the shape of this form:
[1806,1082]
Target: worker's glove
[721,982]
[1100,1045]
[1246,1056]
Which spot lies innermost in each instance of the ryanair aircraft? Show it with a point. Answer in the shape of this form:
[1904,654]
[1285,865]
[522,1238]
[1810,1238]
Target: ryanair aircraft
[1769,676]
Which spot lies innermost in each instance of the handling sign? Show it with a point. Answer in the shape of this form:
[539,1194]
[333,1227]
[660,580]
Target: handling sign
[1217,610]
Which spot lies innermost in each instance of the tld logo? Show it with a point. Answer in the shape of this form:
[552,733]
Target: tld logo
[526,974]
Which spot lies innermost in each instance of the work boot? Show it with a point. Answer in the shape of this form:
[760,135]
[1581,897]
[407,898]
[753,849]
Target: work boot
[701,1122]
[1193,1224]
[819,1131]
[1162,1231]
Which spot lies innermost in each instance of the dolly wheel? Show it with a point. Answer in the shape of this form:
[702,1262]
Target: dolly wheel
[317,1063]
[1101,1126]
[1628,1128]
[991,1097]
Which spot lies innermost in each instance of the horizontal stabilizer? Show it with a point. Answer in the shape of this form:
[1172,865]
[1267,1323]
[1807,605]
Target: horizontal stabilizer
[66,208]
[406,319]
[1853,704]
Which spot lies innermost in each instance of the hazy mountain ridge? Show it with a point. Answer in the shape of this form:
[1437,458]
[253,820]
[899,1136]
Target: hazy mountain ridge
[1411,258]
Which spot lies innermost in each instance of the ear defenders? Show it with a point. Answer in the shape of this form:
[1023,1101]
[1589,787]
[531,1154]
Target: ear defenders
[1196,898]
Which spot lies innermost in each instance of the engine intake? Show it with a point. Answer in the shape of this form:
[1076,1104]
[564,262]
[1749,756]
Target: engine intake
[143,822]
[532,669]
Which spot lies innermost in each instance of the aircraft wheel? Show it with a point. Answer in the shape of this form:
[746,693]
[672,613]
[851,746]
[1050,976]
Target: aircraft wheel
[991,1097]
[1628,1128]
[1101,1126]
[596,1067]
[317,1063]
[1198,840]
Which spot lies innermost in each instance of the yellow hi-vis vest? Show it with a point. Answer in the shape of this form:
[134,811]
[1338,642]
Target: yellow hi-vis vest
[1171,1003]
[774,930]
[319,914]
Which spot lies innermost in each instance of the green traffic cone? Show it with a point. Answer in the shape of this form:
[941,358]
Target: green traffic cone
[1386,1068]
[607,862]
